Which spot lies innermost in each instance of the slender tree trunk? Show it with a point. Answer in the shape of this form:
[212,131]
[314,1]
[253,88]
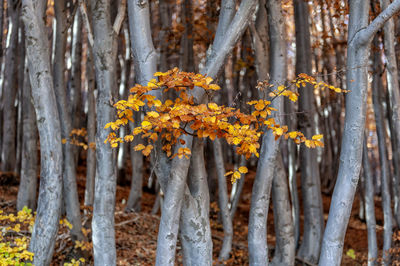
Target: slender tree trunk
[29,159]
[104,54]
[8,152]
[70,189]
[359,38]
[238,193]
[135,194]
[91,131]
[258,249]
[377,98]
[223,202]
[49,202]
[370,208]
[394,93]
[310,180]
[285,249]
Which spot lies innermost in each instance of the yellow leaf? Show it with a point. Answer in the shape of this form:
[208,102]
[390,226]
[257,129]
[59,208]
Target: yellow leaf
[152,84]
[139,147]
[146,125]
[243,169]
[279,131]
[153,114]
[214,87]
[317,137]
[157,74]
[208,80]
[213,106]
[228,173]
[236,175]
[260,105]
[63,141]
[114,145]
[147,150]
[128,138]
[293,134]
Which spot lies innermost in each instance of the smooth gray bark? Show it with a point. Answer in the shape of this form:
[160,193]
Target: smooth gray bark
[377,98]
[75,109]
[195,231]
[359,38]
[91,132]
[49,202]
[310,180]
[8,149]
[29,159]
[70,189]
[392,76]
[104,54]
[135,195]
[370,208]
[285,249]
[257,236]
[223,201]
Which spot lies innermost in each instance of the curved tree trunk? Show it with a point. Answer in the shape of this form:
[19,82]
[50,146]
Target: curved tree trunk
[258,249]
[49,202]
[360,37]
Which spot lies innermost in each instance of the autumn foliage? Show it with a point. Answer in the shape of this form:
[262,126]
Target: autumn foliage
[170,119]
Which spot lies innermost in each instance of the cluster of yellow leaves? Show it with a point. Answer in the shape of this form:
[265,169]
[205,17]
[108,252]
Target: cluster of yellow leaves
[74,262]
[302,79]
[14,244]
[76,136]
[235,175]
[173,118]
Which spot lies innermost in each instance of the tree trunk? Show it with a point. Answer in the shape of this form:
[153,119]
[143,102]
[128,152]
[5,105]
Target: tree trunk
[49,202]
[310,180]
[370,208]
[223,202]
[258,249]
[285,249]
[394,94]
[70,190]
[377,98]
[91,132]
[29,159]
[8,152]
[104,54]
[359,38]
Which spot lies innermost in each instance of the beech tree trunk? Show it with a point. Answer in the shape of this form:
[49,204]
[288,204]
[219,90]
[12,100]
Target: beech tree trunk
[258,249]
[310,180]
[8,149]
[49,202]
[104,54]
[359,38]
[29,159]
[70,189]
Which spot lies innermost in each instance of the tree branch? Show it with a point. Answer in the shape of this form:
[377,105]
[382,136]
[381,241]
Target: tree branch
[366,35]
[85,17]
[120,17]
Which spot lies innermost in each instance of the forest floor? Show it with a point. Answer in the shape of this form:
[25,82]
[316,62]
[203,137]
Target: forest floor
[136,233]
